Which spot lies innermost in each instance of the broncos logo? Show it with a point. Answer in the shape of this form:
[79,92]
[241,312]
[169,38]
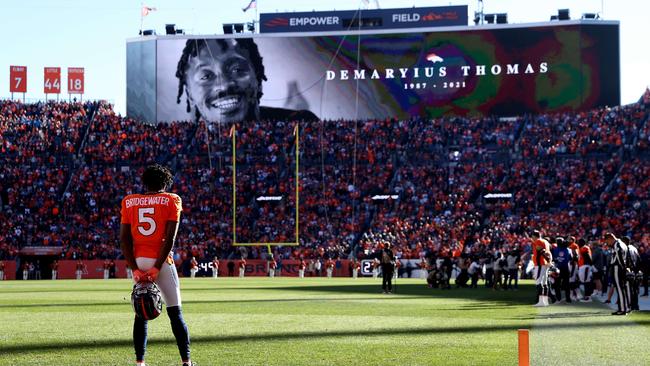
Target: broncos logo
[434,58]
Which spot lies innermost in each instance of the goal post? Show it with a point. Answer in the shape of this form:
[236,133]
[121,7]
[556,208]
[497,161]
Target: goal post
[233,135]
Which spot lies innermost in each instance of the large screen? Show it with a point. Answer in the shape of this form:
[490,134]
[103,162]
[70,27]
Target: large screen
[501,70]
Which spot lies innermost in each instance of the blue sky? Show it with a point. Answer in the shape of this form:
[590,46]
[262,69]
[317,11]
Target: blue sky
[92,34]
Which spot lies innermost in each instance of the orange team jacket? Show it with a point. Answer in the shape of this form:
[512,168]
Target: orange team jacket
[148,215]
[538,245]
[585,250]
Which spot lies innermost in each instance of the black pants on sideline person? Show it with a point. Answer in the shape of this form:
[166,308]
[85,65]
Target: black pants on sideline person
[387,277]
[489,277]
[633,292]
[621,289]
[565,285]
[513,275]
[645,281]
[474,280]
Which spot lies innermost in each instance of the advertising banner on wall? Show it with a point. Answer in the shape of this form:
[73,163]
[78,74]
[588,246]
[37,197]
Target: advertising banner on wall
[313,21]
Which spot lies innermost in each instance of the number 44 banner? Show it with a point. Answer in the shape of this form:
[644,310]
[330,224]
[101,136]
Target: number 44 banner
[52,80]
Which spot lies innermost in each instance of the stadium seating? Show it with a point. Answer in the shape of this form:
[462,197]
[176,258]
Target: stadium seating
[65,166]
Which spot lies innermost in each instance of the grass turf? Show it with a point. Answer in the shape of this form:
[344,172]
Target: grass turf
[290,321]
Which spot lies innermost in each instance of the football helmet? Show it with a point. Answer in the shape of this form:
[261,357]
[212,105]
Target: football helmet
[146,300]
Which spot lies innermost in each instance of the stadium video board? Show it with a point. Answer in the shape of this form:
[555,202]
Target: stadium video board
[502,70]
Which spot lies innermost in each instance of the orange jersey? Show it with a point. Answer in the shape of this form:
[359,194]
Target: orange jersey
[538,245]
[585,250]
[148,215]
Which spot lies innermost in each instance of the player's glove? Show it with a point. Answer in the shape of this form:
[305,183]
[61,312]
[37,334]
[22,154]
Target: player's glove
[152,274]
[138,275]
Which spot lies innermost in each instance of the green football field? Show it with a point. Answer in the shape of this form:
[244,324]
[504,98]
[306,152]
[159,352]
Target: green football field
[290,321]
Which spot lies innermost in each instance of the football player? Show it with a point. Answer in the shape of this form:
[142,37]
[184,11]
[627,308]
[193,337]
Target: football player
[574,251]
[148,230]
[541,258]
[301,268]
[55,268]
[585,269]
[215,267]
[272,265]
[80,269]
[107,266]
[329,265]
[356,267]
[242,267]
[194,267]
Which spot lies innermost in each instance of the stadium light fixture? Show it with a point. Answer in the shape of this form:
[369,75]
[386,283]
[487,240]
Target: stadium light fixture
[239,27]
[227,28]
[563,14]
[381,197]
[502,18]
[269,198]
[170,29]
[498,195]
[590,16]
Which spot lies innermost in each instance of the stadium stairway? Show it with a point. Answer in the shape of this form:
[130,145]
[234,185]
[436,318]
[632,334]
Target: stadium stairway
[91,111]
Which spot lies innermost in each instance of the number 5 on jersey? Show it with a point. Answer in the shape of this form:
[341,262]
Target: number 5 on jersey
[147,220]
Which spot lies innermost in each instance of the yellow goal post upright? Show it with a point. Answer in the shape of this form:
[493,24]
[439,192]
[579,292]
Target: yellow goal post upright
[233,135]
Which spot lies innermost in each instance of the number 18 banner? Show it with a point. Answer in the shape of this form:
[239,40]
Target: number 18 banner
[52,80]
[75,80]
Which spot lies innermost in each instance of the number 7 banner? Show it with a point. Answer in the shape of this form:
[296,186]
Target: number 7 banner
[52,80]
[75,80]
[18,79]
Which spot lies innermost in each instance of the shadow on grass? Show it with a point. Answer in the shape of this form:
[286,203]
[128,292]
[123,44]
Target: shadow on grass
[486,298]
[525,295]
[298,336]
[113,303]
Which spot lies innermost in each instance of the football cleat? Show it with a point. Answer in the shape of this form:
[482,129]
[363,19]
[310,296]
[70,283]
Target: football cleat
[146,300]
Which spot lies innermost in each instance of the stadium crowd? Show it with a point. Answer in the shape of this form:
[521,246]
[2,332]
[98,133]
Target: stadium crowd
[65,167]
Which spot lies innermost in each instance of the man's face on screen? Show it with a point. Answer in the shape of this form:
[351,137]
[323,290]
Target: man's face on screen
[222,84]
